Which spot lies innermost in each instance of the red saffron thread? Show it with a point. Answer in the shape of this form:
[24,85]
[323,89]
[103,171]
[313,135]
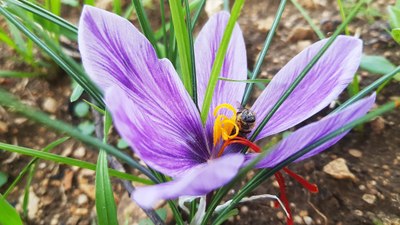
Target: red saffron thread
[313,188]
[283,197]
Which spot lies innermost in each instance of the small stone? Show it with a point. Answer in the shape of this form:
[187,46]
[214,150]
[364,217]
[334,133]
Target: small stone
[297,220]
[358,212]
[385,167]
[213,7]
[50,105]
[368,198]
[362,187]
[308,220]
[301,45]
[67,179]
[244,209]
[303,213]
[82,199]
[280,215]
[378,125]
[300,33]
[308,4]
[3,127]
[79,152]
[338,169]
[265,25]
[355,152]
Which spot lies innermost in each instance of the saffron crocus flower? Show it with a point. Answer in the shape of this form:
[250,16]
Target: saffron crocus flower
[154,113]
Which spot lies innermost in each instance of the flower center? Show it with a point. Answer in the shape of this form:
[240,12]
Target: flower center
[224,125]
[227,128]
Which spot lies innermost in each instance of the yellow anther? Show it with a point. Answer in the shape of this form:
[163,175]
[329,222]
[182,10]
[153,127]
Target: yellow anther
[223,125]
[225,106]
[228,126]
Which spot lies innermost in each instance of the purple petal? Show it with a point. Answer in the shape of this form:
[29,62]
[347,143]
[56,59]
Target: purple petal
[166,133]
[198,181]
[234,67]
[151,108]
[325,81]
[312,132]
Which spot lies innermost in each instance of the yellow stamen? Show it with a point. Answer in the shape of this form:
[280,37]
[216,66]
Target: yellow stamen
[223,125]
[225,106]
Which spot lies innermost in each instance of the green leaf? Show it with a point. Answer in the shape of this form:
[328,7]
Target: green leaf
[81,109]
[396,35]
[378,65]
[394,17]
[3,178]
[8,215]
[76,93]
[105,204]
[86,127]
[183,44]
[122,144]
[162,213]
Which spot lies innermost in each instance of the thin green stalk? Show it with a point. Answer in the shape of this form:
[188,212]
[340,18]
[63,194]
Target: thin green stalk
[264,51]
[27,167]
[10,101]
[307,17]
[145,24]
[197,14]
[88,2]
[39,11]
[68,161]
[192,56]
[266,173]
[25,200]
[219,59]
[163,26]
[182,40]
[226,5]
[117,7]
[343,15]
[305,71]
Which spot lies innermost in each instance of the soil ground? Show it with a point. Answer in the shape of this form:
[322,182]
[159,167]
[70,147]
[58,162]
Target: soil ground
[64,195]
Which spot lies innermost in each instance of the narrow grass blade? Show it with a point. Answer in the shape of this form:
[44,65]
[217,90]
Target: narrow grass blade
[17,74]
[69,161]
[183,45]
[45,14]
[145,24]
[264,51]
[105,204]
[117,7]
[245,81]
[219,59]
[191,51]
[8,215]
[11,102]
[32,162]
